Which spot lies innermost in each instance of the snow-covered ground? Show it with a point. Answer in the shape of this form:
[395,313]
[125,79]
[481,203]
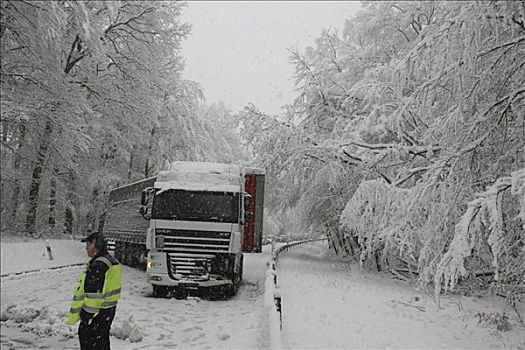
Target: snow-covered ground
[330,305]
[33,255]
[34,306]
[326,305]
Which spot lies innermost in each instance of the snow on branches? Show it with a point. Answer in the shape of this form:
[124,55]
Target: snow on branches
[379,217]
[405,230]
[483,212]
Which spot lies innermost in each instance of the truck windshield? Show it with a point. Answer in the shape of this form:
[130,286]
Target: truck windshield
[196,206]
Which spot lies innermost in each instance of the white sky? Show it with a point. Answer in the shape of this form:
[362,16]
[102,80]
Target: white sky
[238,49]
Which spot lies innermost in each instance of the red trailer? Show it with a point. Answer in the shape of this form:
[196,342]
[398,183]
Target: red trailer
[253,228]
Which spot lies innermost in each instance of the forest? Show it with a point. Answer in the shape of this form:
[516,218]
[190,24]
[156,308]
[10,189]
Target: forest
[404,145]
[93,97]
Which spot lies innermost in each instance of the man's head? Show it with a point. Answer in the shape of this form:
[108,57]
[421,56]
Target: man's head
[95,243]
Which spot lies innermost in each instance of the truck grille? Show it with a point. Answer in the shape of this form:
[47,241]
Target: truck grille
[195,242]
[189,267]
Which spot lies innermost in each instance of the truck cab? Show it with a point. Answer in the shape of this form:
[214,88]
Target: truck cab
[198,214]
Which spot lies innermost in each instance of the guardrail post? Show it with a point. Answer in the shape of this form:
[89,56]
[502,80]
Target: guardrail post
[278,306]
[48,248]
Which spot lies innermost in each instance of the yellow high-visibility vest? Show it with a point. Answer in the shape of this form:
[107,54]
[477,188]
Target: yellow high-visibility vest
[93,302]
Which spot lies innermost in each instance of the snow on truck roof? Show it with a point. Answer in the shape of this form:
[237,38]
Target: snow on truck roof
[205,167]
[192,176]
[196,187]
[200,176]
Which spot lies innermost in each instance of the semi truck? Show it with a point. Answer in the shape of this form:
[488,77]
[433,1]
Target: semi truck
[189,226]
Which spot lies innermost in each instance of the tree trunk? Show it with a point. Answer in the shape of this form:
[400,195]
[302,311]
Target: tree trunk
[101,221]
[147,168]
[16,166]
[92,215]
[52,198]
[36,180]
[70,205]
[68,221]
[131,163]
[103,209]
[14,201]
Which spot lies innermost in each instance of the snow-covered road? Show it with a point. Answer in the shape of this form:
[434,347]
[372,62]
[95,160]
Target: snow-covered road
[35,305]
[339,306]
[326,305]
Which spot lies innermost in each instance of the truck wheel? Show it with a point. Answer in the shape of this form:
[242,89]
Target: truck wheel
[128,254]
[160,291]
[118,251]
[134,250]
[233,289]
[142,259]
[236,281]
[179,294]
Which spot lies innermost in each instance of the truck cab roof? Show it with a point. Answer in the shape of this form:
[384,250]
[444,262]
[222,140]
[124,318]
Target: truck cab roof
[201,176]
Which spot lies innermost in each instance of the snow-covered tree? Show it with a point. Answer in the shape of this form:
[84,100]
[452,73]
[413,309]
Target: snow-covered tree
[92,97]
[402,118]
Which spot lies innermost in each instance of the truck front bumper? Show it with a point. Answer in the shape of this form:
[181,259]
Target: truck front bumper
[163,279]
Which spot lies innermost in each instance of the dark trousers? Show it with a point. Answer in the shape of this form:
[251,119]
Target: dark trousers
[95,336]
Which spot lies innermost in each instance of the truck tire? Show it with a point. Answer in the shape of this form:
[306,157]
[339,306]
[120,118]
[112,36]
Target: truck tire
[142,258]
[179,293]
[236,282]
[234,287]
[118,251]
[134,252]
[128,253]
[160,291]
[125,253]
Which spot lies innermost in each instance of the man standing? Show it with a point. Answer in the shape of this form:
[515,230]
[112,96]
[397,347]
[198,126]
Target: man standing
[95,299]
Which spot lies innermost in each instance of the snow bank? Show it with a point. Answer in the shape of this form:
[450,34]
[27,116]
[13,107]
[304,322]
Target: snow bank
[128,330]
[42,321]
[46,321]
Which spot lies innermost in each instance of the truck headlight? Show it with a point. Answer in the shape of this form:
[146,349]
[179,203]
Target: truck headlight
[150,264]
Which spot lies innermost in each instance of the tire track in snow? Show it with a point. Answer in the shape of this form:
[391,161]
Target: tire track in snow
[195,323]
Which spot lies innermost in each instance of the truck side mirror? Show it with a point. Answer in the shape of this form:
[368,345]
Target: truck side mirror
[144,201]
[144,198]
[145,212]
[247,202]
[248,215]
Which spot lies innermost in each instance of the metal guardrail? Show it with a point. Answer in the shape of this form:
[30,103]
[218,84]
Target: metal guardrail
[273,299]
[46,269]
[285,248]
